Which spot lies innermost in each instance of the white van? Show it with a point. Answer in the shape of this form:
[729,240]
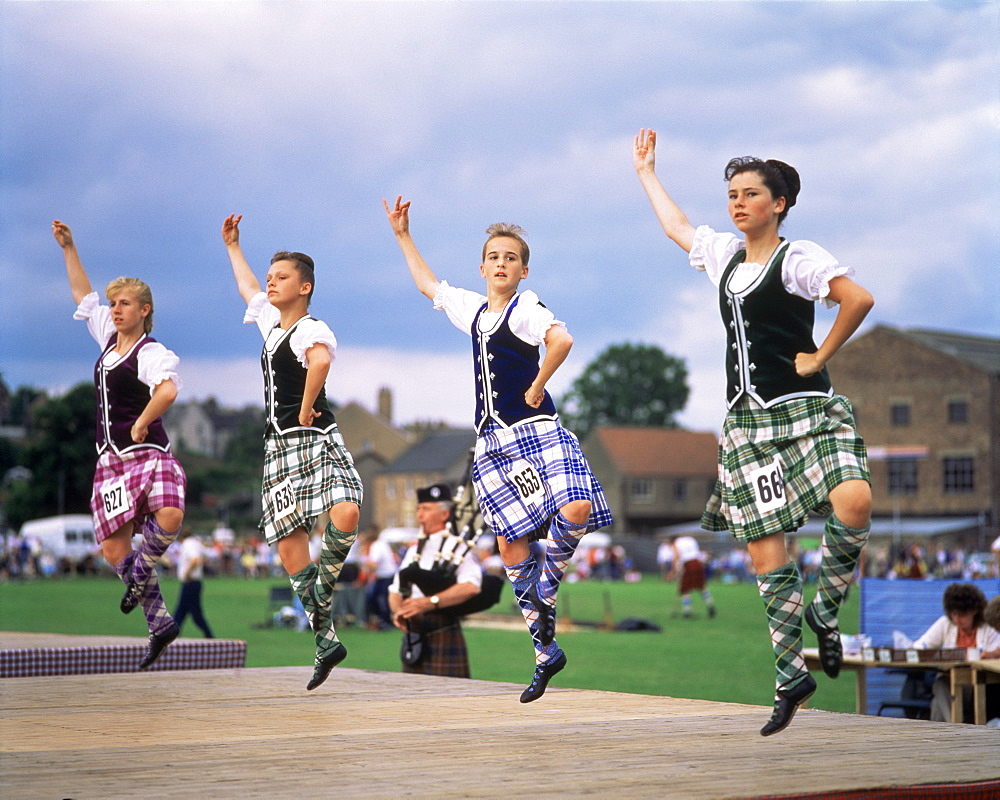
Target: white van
[69,535]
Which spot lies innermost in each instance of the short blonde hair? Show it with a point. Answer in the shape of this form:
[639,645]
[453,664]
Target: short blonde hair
[510,230]
[141,291]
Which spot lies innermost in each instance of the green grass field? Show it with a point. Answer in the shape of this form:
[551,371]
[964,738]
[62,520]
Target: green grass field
[727,658]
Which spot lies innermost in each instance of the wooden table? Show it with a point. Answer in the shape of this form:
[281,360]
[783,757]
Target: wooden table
[980,674]
[961,675]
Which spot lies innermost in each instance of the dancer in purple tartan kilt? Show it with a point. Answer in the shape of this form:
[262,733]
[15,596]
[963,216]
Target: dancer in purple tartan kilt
[138,485]
[789,445]
[307,469]
[529,472]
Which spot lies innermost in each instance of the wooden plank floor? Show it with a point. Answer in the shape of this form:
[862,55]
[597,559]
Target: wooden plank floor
[366,734]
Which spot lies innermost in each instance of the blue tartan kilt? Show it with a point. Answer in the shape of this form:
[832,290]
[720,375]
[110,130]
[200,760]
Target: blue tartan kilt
[504,482]
[818,447]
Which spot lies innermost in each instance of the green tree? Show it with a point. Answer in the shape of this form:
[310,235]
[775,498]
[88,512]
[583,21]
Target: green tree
[627,384]
[61,458]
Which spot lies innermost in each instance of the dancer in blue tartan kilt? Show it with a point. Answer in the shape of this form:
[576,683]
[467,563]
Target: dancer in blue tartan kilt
[307,469]
[529,472]
[789,445]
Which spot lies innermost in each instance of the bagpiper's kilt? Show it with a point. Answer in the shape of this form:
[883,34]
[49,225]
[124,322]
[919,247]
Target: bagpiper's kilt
[153,480]
[445,652]
[818,447]
[501,457]
[321,474]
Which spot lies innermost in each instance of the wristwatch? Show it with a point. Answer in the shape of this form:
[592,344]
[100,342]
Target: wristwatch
[435,600]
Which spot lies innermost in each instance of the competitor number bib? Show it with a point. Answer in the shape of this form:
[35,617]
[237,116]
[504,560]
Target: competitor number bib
[768,486]
[528,483]
[115,498]
[282,499]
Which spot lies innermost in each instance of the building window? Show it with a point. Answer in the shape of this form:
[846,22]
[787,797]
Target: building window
[958,411]
[902,476]
[390,489]
[642,490]
[900,413]
[680,491]
[959,475]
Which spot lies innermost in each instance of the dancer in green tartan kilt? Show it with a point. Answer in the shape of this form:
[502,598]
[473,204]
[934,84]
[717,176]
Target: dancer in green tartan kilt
[789,446]
[307,469]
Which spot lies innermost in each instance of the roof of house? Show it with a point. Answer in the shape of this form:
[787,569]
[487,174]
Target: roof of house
[980,351]
[660,452]
[436,452]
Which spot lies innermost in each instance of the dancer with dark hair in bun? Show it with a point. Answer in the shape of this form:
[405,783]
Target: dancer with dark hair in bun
[307,469]
[789,445]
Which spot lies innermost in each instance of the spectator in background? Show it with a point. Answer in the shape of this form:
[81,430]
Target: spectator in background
[963,625]
[379,562]
[190,570]
[689,568]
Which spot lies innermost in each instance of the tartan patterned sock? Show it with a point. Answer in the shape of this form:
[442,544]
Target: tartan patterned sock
[840,552]
[781,590]
[522,576]
[560,545]
[336,544]
[153,607]
[155,541]
[124,567]
[302,582]
[157,616]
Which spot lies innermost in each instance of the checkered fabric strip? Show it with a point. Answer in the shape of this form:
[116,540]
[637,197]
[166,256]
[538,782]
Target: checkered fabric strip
[153,480]
[445,651]
[975,790]
[322,474]
[818,446]
[181,655]
[555,453]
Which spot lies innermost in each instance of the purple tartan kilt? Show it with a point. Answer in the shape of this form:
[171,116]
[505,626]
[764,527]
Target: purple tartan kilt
[556,455]
[153,480]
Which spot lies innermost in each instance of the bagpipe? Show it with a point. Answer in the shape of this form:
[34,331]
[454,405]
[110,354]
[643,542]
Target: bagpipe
[465,526]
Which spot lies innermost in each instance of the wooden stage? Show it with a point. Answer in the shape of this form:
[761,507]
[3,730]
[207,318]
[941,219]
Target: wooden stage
[257,733]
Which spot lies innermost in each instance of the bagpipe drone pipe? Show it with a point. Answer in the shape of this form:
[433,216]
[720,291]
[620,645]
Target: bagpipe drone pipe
[465,526]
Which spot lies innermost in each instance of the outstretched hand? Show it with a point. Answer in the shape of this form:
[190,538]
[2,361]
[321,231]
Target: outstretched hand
[644,150]
[64,236]
[231,229]
[399,215]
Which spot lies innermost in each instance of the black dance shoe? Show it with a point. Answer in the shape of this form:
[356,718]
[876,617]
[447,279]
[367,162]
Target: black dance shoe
[787,703]
[157,642]
[325,665]
[543,674]
[133,593]
[831,652]
[546,617]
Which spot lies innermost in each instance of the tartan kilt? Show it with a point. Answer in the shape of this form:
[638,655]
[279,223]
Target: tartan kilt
[692,576]
[153,480]
[445,653]
[818,447]
[555,454]
[321,472]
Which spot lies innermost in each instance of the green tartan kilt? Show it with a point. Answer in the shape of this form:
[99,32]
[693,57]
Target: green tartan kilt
[321,472]
[818,447]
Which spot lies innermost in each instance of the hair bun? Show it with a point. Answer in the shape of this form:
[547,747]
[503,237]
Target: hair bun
[791,177]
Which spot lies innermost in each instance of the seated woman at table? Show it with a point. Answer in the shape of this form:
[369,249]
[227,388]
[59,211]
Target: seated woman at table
[962,625]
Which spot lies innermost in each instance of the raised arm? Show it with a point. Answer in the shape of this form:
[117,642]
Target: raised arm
[671,218]
[79,283]
[399,220]
[246,281]
[854,304]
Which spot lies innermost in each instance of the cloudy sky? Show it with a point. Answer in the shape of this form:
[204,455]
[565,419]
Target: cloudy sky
[144,124]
